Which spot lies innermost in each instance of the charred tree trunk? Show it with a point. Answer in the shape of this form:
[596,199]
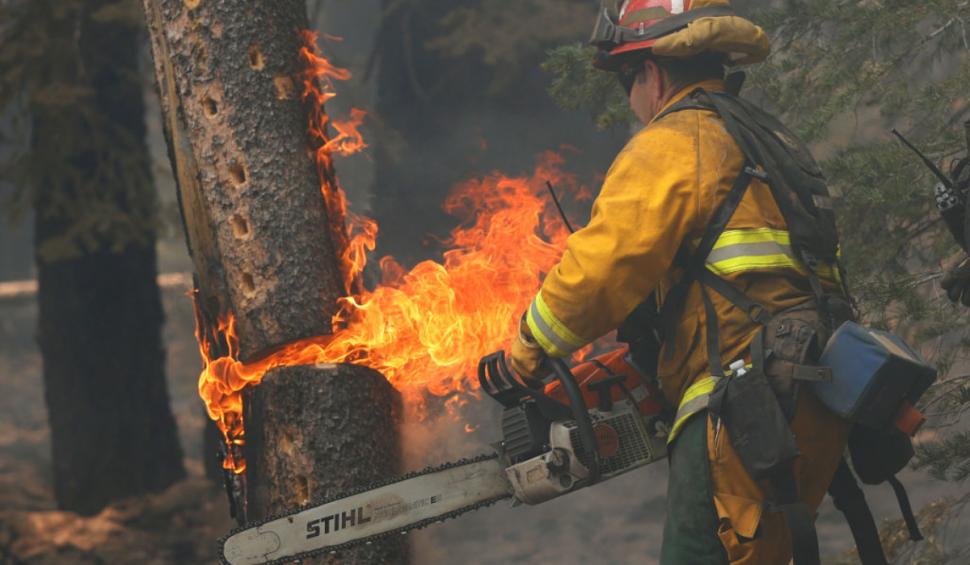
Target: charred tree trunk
[100,312]
[262,244]
[305,443]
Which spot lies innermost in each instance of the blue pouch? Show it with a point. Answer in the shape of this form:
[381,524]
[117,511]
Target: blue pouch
[873,374]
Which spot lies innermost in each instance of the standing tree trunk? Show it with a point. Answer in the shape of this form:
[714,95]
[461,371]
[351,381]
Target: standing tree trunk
[261,241]
[300,452]
[100,313]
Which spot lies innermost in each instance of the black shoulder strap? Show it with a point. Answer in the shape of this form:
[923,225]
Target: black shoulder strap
[674,301]
[904,506]
[849,499]
[696,270]
[800,520]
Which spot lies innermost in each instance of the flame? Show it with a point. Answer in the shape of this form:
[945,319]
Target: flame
[424,328]
[352,235]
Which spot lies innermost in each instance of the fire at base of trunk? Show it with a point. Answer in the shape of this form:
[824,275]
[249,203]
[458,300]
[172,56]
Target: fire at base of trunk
[423,328]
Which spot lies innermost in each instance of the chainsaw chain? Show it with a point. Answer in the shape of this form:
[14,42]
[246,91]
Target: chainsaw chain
[357,490]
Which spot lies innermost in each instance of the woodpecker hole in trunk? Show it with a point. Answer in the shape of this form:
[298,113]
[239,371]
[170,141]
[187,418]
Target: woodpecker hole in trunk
[256,61]
[237,173]
[302,491]
[210,107]
[201,56]
[240,226]
[285,88]
[248,284]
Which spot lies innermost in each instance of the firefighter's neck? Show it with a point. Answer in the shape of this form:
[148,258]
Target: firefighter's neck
[652,90]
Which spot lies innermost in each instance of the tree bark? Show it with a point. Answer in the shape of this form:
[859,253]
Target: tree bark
[112,432]
[316,432]
[263,249]
[100,312]
[254,216]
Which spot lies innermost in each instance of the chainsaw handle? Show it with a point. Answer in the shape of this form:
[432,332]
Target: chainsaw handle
[580,414]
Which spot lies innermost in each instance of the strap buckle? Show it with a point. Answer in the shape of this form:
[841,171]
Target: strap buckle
[756,173]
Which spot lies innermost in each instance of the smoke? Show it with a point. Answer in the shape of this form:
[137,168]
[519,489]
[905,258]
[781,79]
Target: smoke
[462,425]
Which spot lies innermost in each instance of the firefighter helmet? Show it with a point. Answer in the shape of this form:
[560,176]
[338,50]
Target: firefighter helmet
[676,28]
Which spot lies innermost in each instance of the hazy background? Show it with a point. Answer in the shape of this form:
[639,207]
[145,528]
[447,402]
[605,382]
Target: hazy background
[427,132]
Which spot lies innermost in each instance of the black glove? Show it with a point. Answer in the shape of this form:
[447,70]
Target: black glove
[956,283]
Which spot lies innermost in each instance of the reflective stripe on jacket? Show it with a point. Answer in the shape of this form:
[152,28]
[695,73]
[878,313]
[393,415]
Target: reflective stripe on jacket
[695,401]
[760,249]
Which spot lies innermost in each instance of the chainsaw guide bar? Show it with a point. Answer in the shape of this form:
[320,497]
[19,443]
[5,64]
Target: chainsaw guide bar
[550,447]
[373,512]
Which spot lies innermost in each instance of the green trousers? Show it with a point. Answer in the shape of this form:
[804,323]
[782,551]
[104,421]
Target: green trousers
[690,532]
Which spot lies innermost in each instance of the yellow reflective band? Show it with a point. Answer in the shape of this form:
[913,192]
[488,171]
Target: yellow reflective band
[542,338]
[560,329]
[553,336]
[694,401]
[756,235]
[760,249]
[738,264]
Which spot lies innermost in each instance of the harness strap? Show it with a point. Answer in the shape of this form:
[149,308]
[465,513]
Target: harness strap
[801,522]
[696,263]
[799,372]
[715,366]
[849,499]
[755,310]
[906,508]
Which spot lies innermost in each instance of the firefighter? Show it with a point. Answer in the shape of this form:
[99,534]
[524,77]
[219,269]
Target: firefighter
[682,180]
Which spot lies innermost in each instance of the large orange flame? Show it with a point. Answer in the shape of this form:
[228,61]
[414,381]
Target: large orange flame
[425,328]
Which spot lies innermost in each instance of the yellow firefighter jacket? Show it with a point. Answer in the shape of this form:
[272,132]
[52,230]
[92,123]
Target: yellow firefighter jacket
[661,192]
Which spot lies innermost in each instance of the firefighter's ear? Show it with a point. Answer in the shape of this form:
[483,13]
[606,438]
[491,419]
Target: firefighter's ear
[655,78]
[651,72]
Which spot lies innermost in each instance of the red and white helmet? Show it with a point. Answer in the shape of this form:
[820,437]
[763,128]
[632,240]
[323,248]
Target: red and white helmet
[625,26]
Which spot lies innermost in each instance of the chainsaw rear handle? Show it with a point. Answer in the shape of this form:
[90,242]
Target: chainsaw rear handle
[580,414]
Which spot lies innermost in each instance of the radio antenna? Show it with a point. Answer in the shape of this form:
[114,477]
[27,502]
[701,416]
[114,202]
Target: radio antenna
[555,199]
[926,160]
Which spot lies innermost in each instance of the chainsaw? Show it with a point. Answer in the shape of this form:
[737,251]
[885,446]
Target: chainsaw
[589,424]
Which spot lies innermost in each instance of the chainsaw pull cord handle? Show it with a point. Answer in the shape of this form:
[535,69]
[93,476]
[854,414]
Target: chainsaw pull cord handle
[580,413]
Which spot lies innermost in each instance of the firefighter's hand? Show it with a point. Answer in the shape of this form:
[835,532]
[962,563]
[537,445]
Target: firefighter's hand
[527,357]
[956,283]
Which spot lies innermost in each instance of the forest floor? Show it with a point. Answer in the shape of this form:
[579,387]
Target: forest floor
[177,526]
[618,522]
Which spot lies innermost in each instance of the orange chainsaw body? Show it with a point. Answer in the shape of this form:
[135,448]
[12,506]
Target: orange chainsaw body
[617,362]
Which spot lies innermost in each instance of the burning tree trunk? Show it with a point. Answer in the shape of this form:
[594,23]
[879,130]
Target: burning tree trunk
[255,219]
[267,245]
